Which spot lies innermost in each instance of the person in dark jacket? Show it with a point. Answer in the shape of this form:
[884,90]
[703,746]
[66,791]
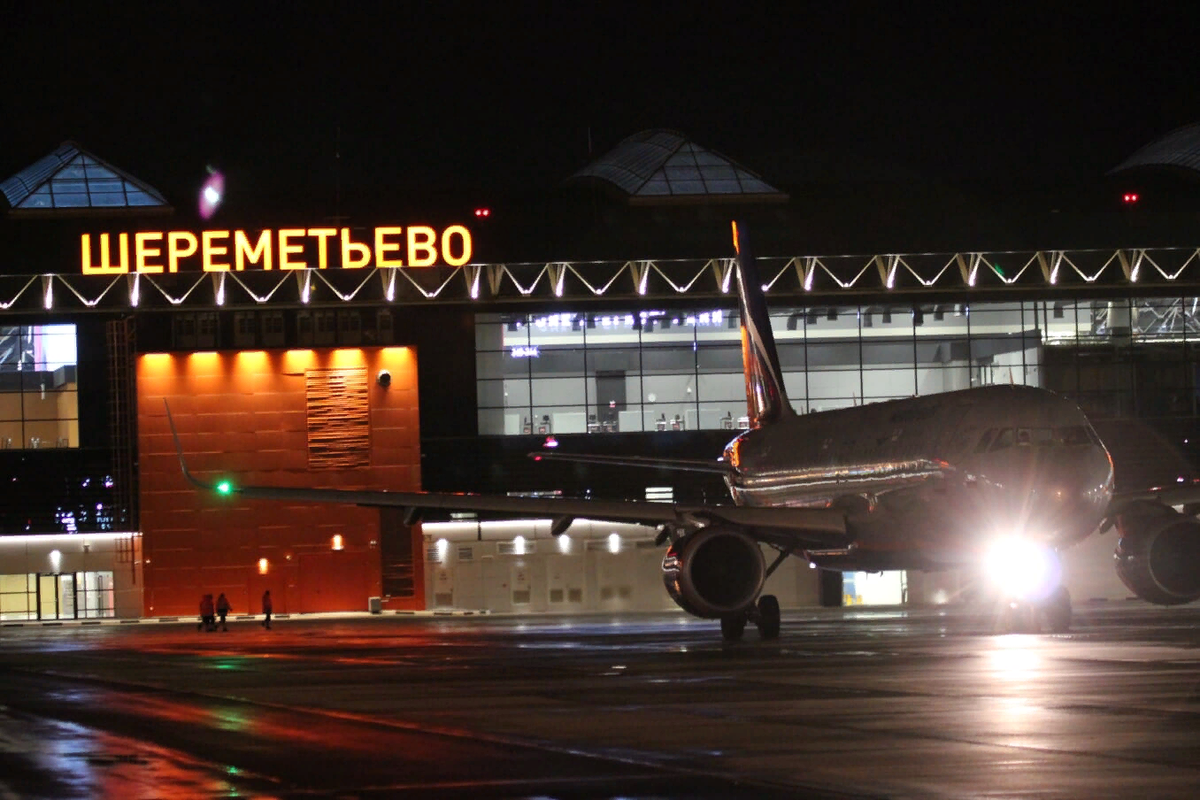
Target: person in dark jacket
[223,609]
[207,619]
[267,608]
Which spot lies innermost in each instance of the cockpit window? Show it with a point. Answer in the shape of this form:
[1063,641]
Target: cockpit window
[985,441]
[1003,439]
[1076,434]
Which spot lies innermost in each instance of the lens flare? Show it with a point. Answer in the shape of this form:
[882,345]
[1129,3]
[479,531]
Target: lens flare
[1022,569]
[211,194]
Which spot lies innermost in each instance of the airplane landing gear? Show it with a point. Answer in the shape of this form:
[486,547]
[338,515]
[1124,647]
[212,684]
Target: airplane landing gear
[1055,611]
[1051,615]
[765,617]
[733,627]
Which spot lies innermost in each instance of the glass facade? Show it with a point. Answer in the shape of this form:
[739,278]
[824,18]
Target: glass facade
[39,397]
[682,370]
[60,595]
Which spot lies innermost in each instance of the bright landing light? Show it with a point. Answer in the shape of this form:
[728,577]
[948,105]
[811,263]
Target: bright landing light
[1022,569]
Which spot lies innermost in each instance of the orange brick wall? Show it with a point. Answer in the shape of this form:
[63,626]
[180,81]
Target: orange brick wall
[243,416]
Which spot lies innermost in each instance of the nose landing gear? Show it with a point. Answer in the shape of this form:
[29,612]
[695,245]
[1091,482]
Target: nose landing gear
[1050,615]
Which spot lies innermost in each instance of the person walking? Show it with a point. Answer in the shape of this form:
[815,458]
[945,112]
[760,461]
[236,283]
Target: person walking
[207,620]
[223,609]
[267,608]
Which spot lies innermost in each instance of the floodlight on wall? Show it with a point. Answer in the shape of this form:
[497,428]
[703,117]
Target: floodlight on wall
[887,316]
[1058,310]
[810,318]
[918,316]
[384,378]
[831,315]
[793,321]
[867,321]
[939,313]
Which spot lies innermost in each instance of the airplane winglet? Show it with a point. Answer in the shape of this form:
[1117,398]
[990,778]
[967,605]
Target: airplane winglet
[192,479]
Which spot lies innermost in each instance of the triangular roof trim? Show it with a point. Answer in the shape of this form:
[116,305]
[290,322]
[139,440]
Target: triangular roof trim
[664,164]
[71,179]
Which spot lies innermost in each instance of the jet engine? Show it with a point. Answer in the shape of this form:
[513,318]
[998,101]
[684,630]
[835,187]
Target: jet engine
[1158,554]
[714,572]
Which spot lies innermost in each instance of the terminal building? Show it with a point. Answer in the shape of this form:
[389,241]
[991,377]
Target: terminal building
[434,349]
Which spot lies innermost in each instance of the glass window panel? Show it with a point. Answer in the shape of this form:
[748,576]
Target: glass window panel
[136,197]
[668,388]
[669,359]
[887,384]
[722,416]
[556,361]
[687,187]
[106,185]
[499,364]
[60,185]
[719,358]
[826,385]
[108,199]
[728,387]
[70,200]
[562,392]
[670,417]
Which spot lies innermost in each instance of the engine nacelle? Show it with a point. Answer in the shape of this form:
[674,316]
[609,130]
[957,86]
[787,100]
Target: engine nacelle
[714,572]
[1158,554]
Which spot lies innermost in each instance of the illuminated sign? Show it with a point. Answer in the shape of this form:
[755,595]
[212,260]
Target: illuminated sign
[155,252]
[525,351]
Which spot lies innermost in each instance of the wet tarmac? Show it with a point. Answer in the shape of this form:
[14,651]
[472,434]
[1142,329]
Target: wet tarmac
[846,703]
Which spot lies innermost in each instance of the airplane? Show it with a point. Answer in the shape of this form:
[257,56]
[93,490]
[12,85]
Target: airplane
[997,479]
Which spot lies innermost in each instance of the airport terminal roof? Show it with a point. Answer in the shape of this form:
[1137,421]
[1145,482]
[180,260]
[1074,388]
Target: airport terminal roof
[1180,149]
[73,179]
[661,165]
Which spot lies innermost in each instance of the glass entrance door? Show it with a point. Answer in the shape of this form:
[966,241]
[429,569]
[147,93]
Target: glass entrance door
[56,596]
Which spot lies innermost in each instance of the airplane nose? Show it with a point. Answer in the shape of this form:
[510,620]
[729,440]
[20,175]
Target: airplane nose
[1072,490]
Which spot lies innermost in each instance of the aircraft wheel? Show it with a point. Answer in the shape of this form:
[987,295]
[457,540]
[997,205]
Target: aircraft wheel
[1056,611]
[733,627]
[768,617]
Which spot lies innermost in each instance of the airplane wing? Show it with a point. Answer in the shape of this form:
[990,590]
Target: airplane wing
[1186,494]
[795,527]
[679,464]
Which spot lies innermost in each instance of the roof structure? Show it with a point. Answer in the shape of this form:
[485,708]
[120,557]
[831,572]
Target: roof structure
[1179,149]
[72,179]
[662,165]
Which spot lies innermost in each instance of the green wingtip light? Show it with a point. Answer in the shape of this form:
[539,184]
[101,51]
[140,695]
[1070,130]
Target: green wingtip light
[224,487]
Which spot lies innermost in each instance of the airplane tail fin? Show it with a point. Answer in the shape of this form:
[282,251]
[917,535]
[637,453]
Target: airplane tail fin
[766,399]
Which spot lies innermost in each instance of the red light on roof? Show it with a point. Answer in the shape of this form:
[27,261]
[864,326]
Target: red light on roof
[483,212]
[1130,197]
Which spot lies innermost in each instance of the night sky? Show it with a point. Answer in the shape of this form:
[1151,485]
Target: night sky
[481,101]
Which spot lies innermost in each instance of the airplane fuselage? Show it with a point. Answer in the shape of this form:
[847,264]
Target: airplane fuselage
[925,482]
